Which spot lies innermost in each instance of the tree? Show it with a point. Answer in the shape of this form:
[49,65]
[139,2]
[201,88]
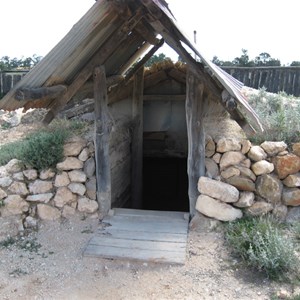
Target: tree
[156,59]
[265,59]
[9,64]
[243,60]
[295,63]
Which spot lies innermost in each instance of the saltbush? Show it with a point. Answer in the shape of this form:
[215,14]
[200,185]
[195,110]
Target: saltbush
[279,114]
[262,245]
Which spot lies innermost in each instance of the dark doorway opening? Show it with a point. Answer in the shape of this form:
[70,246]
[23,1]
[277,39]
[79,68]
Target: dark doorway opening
[165,184]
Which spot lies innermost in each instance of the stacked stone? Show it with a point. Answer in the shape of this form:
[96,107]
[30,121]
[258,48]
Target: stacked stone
[49,194]
[266,177]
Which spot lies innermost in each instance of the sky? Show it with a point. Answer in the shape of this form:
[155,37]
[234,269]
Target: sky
[223,28]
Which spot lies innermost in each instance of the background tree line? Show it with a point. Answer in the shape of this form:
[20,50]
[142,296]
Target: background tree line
[24,63]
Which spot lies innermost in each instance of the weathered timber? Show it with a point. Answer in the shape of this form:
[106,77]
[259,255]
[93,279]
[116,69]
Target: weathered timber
[195,103]
[164,97]
[177,75]
[42,93]
[144,60]
[99,58]
[137,139]
[102,132]
[146,33]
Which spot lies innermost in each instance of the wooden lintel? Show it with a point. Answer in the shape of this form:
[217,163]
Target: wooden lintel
[195,104]
[99,58]
[164,97]
[137,139]
[102,132]
[40,93]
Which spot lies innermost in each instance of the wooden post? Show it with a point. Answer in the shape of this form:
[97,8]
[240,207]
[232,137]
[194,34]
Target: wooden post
[196,137]
[102,132]
[137,139]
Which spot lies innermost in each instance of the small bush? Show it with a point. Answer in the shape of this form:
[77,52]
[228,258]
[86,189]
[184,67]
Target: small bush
[279,114]
[10,151]
[262,245]
[44,149]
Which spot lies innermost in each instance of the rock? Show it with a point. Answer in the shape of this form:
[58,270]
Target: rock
[231,158]
[48,213]
[14,166]
[218,190]
[91,188]
[77,176]
[280,212]
[228,144]
[86,205]
[269,187]
[293,215]
[246,172]
[91,147]
[10,225]
[30,174]
[74,147]
[70,163]
[291,196]
[63,196]
[246,145]
[259,208]
[18,188]
[89,167]
[3,172]
[14,205]
[229,172]
[212,169]
[77,188]
[40,187]
[241,183]
[296,149]
[45,198]
[68,211]
[292,180]
[217,157]
[31,222]
[256,153]
[273,148]
[47,174]
[62,180]
[18,176]
[84,154]
[201,223]
[286,165]
[210,147]
[2,194]
[262,167]
[5,182]
[217,209]
[246,200]
[246,163]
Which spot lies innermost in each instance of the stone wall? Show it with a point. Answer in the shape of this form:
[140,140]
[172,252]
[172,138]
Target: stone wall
[244,179]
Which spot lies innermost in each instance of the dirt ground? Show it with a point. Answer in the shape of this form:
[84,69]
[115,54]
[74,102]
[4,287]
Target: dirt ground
[48,264]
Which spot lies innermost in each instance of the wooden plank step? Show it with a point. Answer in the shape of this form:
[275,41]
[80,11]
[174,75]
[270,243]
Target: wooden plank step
[151,236]
[127,253]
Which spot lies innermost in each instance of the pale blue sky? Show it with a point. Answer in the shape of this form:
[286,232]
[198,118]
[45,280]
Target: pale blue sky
[223,27]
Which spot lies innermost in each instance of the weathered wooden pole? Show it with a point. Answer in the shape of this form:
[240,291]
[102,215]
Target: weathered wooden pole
[102,132]
[137,139]
[196,138]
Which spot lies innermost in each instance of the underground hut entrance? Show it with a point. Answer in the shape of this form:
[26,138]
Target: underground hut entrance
[165,184]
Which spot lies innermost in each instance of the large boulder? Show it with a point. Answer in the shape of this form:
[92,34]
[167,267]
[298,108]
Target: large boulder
[90,167]
[212,169]
[91,188]
[229,172]
[77,188]
[63,196]
[3,194]
[5,181]
[291,196]
[14,205]
[269,187]
[246,200]
[292,180]
[74,147]
[62,179]
[40,187]
[241,183]
[262,167]
[296,149]
[216,209]
[30,174]
[228,144]
[70,163]
[18,188]
[256,153]
[47,212]
[77,176]
[293,215]
[210,147]
[44,198]
[14,166]
[286,165]
[273,148]
[259,208]
[218,190]
[87,205]
[231,158]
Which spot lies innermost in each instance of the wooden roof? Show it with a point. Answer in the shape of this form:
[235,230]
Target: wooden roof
[116,34]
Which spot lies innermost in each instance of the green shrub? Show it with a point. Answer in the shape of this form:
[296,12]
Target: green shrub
[44,149]
[10,151]
[262,245]
[279,114]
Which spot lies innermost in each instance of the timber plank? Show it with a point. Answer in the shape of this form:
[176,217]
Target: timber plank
[154,236]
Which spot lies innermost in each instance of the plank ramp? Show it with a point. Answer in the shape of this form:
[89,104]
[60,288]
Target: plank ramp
[145,235]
